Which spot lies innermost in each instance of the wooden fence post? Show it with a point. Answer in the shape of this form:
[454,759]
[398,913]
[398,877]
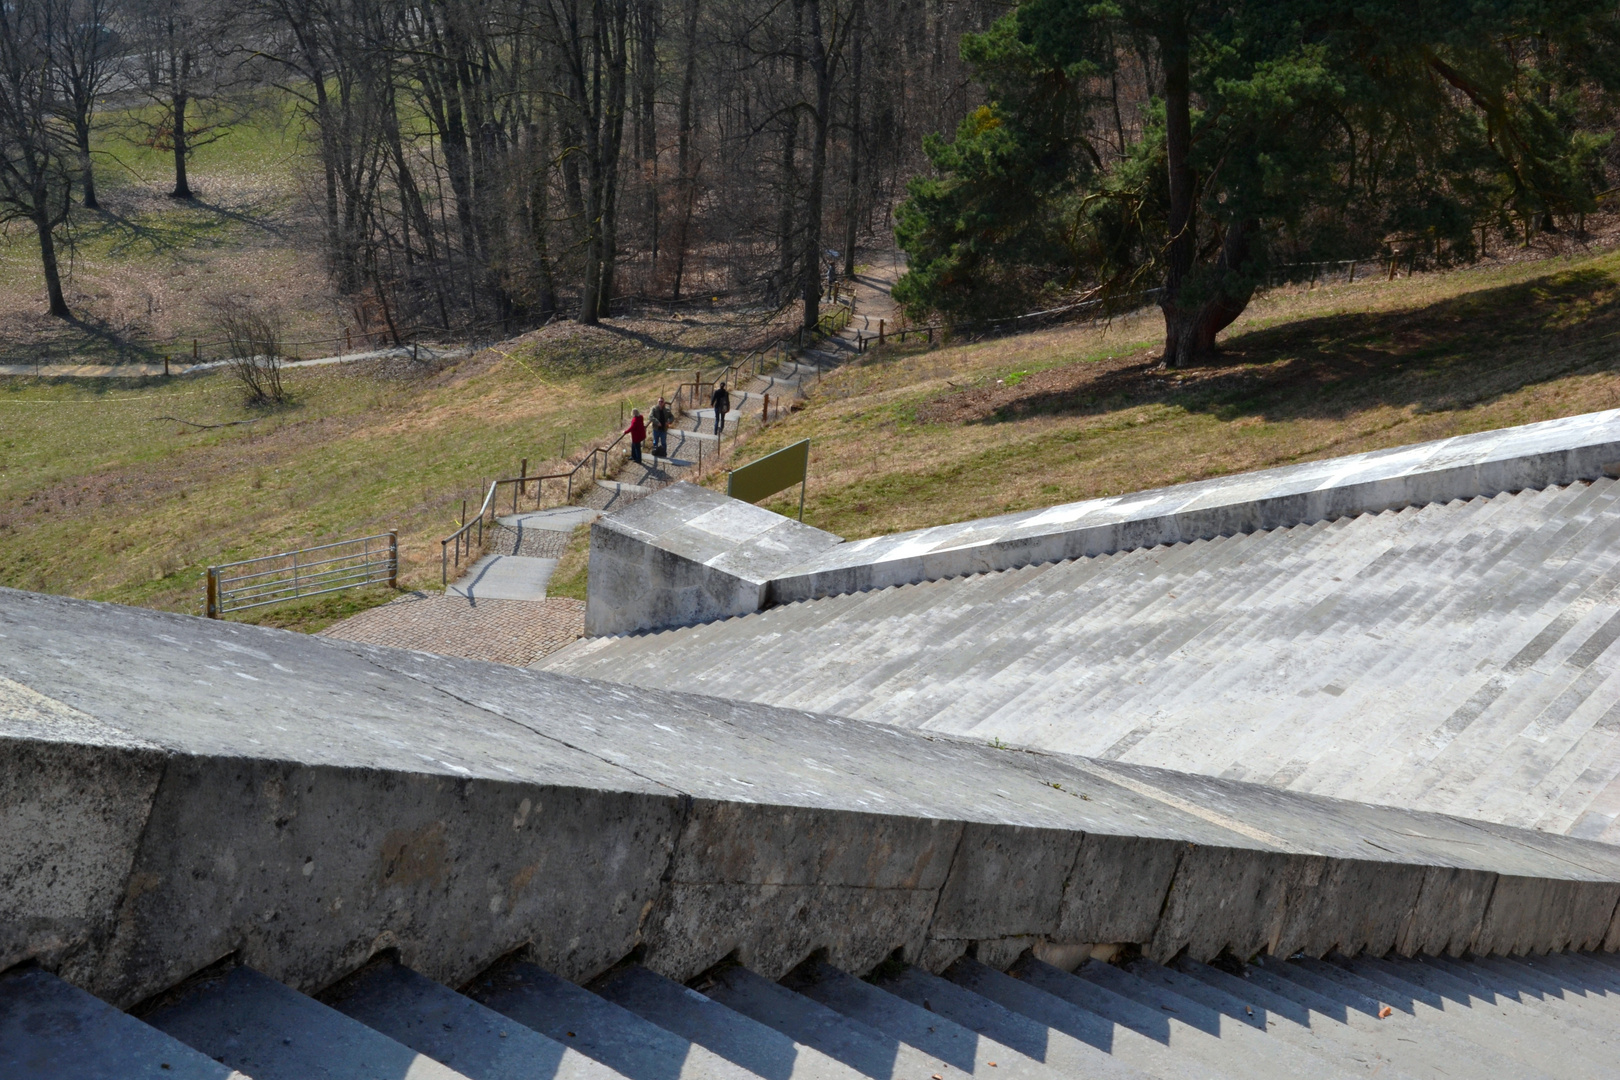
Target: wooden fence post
[393,558]
[211,603]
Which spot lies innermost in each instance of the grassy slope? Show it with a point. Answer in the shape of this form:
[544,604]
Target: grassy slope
[99,499]
[911,440]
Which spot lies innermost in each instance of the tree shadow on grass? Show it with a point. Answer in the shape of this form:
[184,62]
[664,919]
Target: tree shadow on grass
[1455,353]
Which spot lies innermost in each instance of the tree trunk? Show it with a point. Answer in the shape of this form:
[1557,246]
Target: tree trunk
[182,187]
[683,153]
[1190,326]
[1186,337]
[81,135]
[822,70]
[612,149]
[852,207]
[47,258]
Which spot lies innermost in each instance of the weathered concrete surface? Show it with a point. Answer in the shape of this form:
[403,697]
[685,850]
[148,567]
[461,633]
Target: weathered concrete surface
[272,1032]
[317,802]
[687,554]
[1486,463]
[1462,658]
[50,1030]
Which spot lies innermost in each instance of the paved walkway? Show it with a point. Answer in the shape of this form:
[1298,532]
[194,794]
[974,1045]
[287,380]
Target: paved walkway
[502,631]
[145,371]
[526,549]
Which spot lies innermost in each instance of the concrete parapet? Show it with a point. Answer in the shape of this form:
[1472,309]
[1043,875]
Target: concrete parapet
[1482,464]
[686,555]
[305,804]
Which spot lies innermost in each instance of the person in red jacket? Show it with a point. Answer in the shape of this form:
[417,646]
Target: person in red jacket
[638,434]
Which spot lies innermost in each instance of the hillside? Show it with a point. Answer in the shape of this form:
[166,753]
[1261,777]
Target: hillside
[105,493]
[916,437]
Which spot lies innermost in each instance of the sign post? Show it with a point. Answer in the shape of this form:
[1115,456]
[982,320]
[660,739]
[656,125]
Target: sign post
[772,473]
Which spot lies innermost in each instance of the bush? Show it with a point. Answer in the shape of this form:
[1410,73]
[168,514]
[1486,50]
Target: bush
[254,339]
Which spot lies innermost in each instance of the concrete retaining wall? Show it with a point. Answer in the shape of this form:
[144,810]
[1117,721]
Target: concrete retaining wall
[305,804]
[686,555]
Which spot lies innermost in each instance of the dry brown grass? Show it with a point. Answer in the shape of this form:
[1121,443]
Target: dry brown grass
[908,440]
[99,499]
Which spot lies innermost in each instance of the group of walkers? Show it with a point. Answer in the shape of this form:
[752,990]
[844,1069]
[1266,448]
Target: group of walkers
[662,417]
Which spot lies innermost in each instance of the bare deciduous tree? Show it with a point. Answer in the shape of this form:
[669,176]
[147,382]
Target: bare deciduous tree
[36,181]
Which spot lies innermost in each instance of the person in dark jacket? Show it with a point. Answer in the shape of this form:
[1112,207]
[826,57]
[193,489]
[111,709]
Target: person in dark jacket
[720,402]
[661,419]
[638,434]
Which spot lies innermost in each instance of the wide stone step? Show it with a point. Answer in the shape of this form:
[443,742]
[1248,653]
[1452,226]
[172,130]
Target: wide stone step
[271,1032]
[51,1030]
[457,1031]
[731,1035]
[599,1028]
[962,1048]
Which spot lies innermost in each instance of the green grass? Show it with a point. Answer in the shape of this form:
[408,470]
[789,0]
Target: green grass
[916,437]
[99,498]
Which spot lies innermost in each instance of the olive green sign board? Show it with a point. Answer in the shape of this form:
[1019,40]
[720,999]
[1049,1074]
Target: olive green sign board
[772,473]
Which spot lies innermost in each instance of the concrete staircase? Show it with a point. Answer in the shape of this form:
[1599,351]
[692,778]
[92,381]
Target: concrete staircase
[1457,657]
[1525,1017]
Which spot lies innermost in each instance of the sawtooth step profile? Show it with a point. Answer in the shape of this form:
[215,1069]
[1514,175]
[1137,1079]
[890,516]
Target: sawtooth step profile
[1542,1018]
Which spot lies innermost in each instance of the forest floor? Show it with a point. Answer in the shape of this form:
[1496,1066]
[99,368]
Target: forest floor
[916,436]
[145,273]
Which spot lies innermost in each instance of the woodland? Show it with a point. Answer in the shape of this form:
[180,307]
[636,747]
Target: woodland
[493,165]
[1194,150]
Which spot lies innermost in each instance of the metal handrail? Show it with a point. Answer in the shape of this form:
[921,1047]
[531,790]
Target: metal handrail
[597,457]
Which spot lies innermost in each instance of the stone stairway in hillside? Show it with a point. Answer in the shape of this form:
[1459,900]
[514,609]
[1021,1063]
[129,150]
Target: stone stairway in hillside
[1552,1016]
[1458,657]
[692,442]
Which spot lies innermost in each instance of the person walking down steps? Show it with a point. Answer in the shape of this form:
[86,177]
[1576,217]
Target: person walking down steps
[661,419]
[720,402]
[638,434]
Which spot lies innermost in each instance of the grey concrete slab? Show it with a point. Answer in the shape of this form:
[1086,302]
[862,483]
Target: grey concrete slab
[1191,1027]
[961,1048]
[1464,1025]
[598,1028]
[1532,456]
[1520,1027]
[1215,1010]
[271,1032]
[760,1048]
[455,1030]
[1417,1048]
[504,577]
[1060,1049]
[867,1050]
[1156,1051]
[51,1030]
[1420,658]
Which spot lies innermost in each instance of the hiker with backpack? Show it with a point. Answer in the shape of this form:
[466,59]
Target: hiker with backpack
[661,419]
